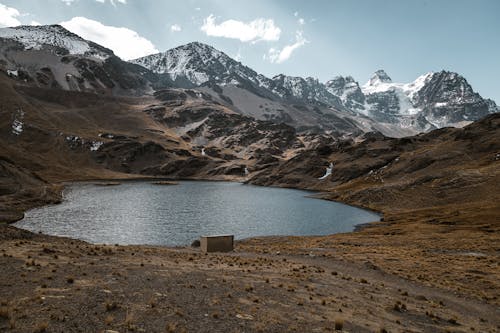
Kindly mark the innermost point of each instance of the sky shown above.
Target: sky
(320, 38)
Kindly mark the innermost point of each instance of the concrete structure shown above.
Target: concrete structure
(218, 243)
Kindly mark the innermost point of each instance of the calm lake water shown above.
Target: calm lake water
(143, 213)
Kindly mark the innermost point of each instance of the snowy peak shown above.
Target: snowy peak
(52, 57)
(447, 87)
(349, 92)
(378, 77)
(196, 63)
(308, 90)
(54, 36)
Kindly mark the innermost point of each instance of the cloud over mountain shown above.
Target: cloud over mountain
(124, 42)
(253, 31)
(8, 16)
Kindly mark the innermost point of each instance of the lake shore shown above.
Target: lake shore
(255, 211)
(388, 275)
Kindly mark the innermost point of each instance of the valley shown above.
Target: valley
(70, 110)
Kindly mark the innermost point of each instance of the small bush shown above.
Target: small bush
(4, 312)
(339, 324)
(42, 327)
(110, 306)
(108, 320)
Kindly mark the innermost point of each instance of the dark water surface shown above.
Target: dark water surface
(143, 213)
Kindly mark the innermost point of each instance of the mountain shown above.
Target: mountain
(394, 171)
(303, 103)
(433, 100)
(197, 64)
(51, 56)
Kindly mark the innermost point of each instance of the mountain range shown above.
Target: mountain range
(433, 100)
(71, 111)
(51, 56)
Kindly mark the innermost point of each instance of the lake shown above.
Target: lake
(138, 212)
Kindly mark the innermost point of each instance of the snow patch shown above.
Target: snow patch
(440, 104)
(406, 93)
(13, 73)
(328, 172)
(36, 37)
(95, 145)
(17, 124)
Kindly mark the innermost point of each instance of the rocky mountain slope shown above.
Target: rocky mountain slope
(381, 171)
(49, 135)
(433, 100)
(65, 116)
(51, 56)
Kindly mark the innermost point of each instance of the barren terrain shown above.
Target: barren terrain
(431, 265)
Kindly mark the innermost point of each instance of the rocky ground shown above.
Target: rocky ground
(431, 265)
(350, 283)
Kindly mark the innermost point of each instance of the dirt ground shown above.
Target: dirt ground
(356, 282)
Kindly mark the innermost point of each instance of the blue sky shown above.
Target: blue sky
(305, 38)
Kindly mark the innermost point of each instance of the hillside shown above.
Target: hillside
(340, 105)
(70, 110)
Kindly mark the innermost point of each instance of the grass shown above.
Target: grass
(108, 320)
(129, 321)
(111, 305)
(42, 327)
(339, 324)
(4, 312)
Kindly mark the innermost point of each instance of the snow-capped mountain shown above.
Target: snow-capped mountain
(433, 100)
(50, 36)
(300, 89)
(52, 57)
(348, 90)
(195, 64)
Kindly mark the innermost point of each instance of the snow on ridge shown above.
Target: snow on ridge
(184, 61)
(405, 92)
(17, 123)
(35, 37)
(410, 89)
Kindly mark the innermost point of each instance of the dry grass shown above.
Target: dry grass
(339, 324)
(41, 327)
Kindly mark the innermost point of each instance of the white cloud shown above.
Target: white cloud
(8, 16)
(125, 43)
(301, 21)
(175, 28)
(35, 23)
(113, 2)
(68, 2)
(279, 56)
(254, 31)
